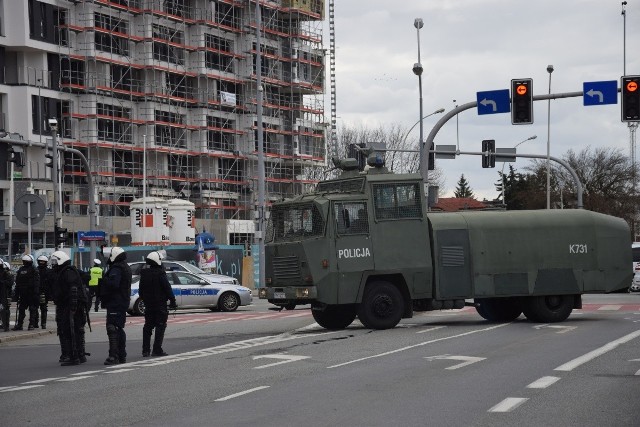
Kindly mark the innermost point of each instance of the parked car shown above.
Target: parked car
(168, 265)
(635, 283)
(212, 291)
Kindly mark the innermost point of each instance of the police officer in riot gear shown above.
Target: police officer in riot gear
(115, 291)
(70, 295)
(155, 291)
(6, 284)
(45, 290)
(27, 291)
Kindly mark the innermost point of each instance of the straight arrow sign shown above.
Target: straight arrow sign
(467, 360)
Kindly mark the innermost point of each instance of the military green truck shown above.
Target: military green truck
(364, 245)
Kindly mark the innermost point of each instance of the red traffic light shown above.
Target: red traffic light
(632, 86)
(522, 89)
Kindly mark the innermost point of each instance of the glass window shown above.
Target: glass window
(395, 201)
(351, 218)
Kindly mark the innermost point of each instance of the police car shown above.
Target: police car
(212, 291)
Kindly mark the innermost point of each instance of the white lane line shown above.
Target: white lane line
(296, 315)
(25, 387)
(637, 373)
(430, 329)
(44, 380)
(181, 322)
(266, 316)
(398, 350)
(543, 382)
(251, 390)
(117, 371)
(89, 372)
(609, 307)
(508, 404)
(76, 378)
(571, 365)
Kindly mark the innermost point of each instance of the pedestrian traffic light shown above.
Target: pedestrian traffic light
(488, 153)
(60, 236)
(431, 159)
(522, 102)
(16, 155)
(630, 99)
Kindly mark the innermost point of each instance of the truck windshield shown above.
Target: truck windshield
(294, 222)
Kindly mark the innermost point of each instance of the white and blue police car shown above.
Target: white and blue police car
(212, 291)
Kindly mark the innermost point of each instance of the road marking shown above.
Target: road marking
(571, 365)
(266, 316)
(251, 390)
(467, 360)
(181, 322)
(609, 307)
(508, 404)
(75, 378)
(284, 358)
(543, 382)
(562, 330)
(25, 387)
(44, 380)
(430, 329)
(296, 315)
(117, 371)
(418, 345)
(89, 372)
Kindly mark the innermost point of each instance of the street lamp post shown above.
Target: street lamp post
(144, 190)
(549, 70)
(504, 202)
(417, 70)
(438, 111)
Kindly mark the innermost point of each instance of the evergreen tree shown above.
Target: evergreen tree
(463, 189)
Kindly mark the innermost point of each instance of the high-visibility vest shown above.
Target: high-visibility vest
(96, 274)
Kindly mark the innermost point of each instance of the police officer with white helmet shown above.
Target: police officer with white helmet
(28, 292)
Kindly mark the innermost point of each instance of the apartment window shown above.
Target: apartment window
(180, 166)
(72, 72)
(177, 7)
(127, 162)
(167, 133)
(125, 78)
(164, 45)
(111, 34)
(110, 128)
(178, 85)
(218, 139)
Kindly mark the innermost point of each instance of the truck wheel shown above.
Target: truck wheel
(499, 309)
(290, 306)
(549, 308)
(381, 307)
(334, 317)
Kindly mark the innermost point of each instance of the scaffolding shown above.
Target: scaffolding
(175, 81)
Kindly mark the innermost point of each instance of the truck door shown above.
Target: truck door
(354, 253)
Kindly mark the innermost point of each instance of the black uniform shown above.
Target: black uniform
(6, 283)
(155, 291)
(115, 291)
(45, 293)
(71, 300)
(27, 291)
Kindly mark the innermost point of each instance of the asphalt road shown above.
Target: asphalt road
(267, 368)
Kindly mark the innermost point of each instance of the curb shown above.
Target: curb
(15, 337)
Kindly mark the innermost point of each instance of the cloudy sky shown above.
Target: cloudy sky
(469, 46)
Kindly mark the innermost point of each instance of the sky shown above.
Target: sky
(470, 46)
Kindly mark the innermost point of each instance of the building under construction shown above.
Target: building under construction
(162, 92)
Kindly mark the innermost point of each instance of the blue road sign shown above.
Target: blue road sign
(493, 102)
(91, 235)
(600, 93)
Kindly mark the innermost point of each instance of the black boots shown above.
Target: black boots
(157, 341)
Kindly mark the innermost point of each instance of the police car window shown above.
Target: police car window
(351, 218)
(186, 279)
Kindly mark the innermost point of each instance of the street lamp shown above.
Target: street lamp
(438, 111)
(417, 70)
(504, 202)
(549, 70)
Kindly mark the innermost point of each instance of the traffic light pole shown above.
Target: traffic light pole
(579, 189)
(85, 164)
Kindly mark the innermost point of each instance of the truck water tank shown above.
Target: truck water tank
(182, 222)
(150, 227)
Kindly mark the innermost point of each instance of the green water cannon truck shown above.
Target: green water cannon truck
(364, 245)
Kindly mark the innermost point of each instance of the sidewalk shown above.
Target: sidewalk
(25, 334)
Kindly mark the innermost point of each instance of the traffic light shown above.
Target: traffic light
(522, 102)
(630, 99)
(60, 236)
(488, 153)
(432, 159)
(16, 155)
(49, 162)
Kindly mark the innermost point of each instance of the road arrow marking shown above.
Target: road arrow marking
(491, 102)
(284, 358)
(597, 93)
(468, 360)
(562, 331)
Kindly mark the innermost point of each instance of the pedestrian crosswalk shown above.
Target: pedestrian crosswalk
(195, 318)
